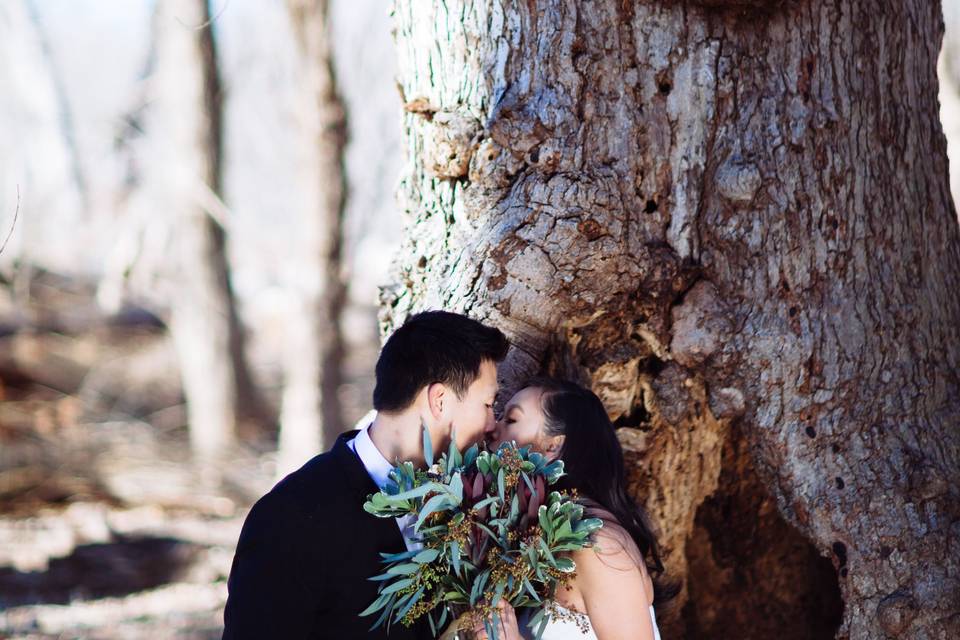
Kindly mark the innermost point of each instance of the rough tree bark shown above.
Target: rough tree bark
(733, 221)
(184, 124)
(311, 416)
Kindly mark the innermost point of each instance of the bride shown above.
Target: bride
(613, 577)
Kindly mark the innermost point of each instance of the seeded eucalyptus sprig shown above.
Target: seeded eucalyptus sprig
(489, 530)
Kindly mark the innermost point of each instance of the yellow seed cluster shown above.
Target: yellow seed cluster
(458, 533)
(428, 576)
(579, 618)
(418, 610)
(512, 463)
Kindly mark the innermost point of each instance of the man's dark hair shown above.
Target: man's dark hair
(434, 346)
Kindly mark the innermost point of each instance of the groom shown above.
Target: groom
(307, 547)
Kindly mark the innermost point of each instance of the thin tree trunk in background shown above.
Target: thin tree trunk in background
(311, 414)
(185, 122)
(948, 72)
(63, 107)
(733, 221)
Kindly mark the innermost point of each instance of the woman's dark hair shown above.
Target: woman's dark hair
(593, 465)
(433, 346)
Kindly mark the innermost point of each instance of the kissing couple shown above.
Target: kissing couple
(308, 548)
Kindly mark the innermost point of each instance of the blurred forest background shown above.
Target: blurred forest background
(200, 208)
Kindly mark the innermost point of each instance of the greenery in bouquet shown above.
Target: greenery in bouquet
(489, 531)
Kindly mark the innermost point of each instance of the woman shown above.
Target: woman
(613, 577)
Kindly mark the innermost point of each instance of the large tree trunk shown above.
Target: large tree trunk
(311, 414)
(733, 221)
(184, 124)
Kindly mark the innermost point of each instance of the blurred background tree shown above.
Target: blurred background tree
(314, 349)
(184, 258)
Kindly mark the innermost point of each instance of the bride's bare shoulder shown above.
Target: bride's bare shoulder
(612, 541)
(613, 558)
(612, 547)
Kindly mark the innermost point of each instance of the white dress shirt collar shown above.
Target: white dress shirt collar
(379, 469)
(377, 466)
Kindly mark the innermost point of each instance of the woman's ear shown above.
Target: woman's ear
(553, 445)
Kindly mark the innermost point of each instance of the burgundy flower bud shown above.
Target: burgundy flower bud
(477, 486)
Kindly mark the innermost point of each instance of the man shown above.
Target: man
(308, 547)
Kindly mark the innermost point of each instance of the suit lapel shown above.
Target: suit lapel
(361, 485)
(384, 530)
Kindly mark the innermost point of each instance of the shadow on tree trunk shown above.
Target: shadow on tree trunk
(752, 575)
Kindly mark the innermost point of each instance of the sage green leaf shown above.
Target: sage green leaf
(385, 614)
(405, 569)
(427, 447)
(434, 531)
(418, 492)
(456, 487)
(471, 455)
(526, 479)
(565, 564)
(538, 623)
(375, 605)
(545, 521)
(435, 503)
(454, 459)
(409, 605)
(383, 577)
(589, 525)
(529, 587)
(397, 586)
(395, 557)
(546, 552)
(485, 502)
(531, 555)
(426, 556)
(564, 530)
(455, 557)
(478, 586)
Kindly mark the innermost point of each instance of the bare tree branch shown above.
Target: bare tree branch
(208, 22)
(16, 213)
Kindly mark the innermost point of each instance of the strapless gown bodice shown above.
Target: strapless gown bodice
(565, 624)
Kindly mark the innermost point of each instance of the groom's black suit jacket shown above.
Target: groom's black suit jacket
(305, 553)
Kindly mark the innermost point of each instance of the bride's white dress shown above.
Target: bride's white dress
(571, 625)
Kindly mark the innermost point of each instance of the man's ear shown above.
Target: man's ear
(436, 397)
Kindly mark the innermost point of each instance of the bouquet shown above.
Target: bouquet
(489, 531)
